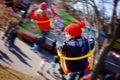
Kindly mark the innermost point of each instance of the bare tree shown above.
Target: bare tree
(111, 36)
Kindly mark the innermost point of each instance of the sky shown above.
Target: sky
(108, 6)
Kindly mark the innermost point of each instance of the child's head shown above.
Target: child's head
(72, 31)
(43, 6)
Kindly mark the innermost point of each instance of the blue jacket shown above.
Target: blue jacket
(76, 47)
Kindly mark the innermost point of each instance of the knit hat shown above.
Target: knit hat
(73, 30)
(81, 24)
(43, 6)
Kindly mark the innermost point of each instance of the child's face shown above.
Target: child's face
(67, 36)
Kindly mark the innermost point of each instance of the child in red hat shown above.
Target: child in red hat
(75, 46)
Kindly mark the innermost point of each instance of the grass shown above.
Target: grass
(9, 74)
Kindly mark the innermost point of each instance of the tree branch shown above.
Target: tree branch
(113, 20)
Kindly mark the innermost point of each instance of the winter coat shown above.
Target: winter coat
(43, 21)
(13, 34)
(76, 47)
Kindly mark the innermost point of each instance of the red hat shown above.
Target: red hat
(43, 6)
(81, 24)
(73, 30)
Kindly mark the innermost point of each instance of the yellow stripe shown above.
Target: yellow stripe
(44, 21)
(76, 58)
(91, 62)
(37, 25)
(63, 65)
(63, 58)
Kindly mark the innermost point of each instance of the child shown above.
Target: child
(42, 65)
(74, 46)
(13, 34)
(7, 31)
(53, 65)
(37, 44)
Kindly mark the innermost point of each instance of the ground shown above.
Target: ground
(9, 74)
(22, 59)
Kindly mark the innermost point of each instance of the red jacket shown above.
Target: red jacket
(43, 21)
